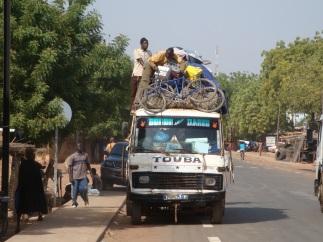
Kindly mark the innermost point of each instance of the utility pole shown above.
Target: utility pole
(278, 125)
(6, 111)
(55, 167)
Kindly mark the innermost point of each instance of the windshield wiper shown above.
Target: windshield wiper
(145, 150)
(185, 150)
(142, 149)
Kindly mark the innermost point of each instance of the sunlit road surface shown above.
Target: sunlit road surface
(264, 204)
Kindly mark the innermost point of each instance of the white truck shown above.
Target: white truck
(318, 183)
(177, 161)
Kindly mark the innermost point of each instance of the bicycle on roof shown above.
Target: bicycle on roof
(170, 88)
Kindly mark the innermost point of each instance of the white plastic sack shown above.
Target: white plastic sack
(93, 192)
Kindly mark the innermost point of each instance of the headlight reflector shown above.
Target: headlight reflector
(144, 179)
(210, 181)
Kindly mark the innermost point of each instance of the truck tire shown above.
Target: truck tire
(129, 207)
(107, 185)
(280, 155)
(217, 212)
(321, 193)
(136, 213)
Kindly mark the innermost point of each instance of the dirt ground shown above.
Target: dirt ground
(268, 159)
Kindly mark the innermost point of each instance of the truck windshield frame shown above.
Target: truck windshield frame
(184, 135)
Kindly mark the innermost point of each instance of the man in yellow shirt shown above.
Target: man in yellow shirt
(110, 145)
(159, 59)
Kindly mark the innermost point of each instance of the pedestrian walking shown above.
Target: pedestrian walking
(141, 56)
(260, 148)
(30, 196)
(78, 166)
(242, 147)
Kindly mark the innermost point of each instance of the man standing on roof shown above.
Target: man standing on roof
(141, 56)
(159, 59)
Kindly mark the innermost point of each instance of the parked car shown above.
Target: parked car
(114, 167)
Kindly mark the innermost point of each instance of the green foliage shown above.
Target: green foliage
(291, 81)
(58, 53)
(295, 74)
(249, 114)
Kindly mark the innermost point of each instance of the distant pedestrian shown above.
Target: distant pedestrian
(141, 56)
(110, 145)
(78, 166)
(96, 180)
(30, 196)
(242, 148)
(260, 148)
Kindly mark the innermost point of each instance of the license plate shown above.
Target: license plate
(175, 197)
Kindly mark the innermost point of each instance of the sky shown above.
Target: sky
(240, 30)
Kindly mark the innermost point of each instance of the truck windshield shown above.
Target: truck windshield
(177, 135)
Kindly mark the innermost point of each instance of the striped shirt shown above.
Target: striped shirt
(79, 163)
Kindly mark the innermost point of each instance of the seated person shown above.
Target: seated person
(96, 180)
(160, 139)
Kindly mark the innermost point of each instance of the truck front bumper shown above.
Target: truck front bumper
(160, 199)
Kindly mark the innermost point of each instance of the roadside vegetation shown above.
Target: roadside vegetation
(59, 53)
(290, 81)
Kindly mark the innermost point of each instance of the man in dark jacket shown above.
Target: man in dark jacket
(30, 196)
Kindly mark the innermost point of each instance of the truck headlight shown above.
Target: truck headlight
(210, 181)
(144, 179)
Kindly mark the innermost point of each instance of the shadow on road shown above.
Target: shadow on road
(116, 191)
(241, 215)
(235, 203)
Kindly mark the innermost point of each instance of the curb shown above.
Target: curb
(101, 236)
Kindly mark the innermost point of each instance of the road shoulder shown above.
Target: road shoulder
(85, 223)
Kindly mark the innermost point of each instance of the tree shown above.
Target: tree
(58, 52)
(291, 80)
(295, 74)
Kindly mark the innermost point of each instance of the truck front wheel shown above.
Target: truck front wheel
(129, 207)
(107, 185)
(217, 212)
(136, 213)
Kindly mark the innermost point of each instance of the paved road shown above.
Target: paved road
(263, 205)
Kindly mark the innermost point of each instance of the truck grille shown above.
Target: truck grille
(161, 180)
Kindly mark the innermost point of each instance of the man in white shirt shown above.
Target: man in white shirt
(141, 56)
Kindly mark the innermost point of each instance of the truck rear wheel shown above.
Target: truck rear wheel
(321, 193)
(136, 213)
(217, 212)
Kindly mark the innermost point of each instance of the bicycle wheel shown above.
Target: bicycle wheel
(212, 105)
(168, 92)
(201, 90)
(153, 100)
